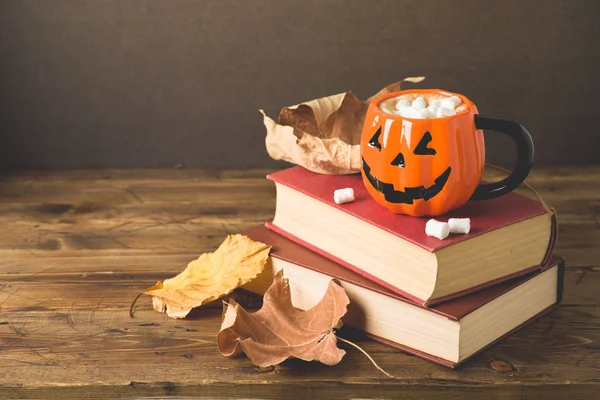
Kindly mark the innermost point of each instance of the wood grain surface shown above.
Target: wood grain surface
(76, 247)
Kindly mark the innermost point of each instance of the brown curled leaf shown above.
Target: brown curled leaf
(278, 330)
(323, 135)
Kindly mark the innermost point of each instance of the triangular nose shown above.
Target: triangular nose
(399, 160)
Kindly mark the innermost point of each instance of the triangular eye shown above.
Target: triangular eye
(374, 142)
(422, 149)
(399, 161)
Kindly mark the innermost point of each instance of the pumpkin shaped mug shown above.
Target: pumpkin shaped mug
(427, 167)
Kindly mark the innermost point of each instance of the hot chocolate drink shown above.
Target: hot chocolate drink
(423, 105)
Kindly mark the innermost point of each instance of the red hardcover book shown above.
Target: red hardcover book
(448, 333)
(509, 236)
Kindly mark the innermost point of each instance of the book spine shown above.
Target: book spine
(481, 286)
(561, 281)
(553, 238)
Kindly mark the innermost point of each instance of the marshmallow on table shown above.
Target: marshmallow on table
(459, 225)
(342, 196)
(437, 229)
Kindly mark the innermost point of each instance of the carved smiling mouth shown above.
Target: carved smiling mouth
(410, 193)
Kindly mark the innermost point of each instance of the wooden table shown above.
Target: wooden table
(76, 247)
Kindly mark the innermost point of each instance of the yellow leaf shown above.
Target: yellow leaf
(237, 260)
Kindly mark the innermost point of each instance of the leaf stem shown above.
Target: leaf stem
(369, 357)
(133, 304)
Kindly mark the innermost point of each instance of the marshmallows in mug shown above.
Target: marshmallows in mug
(441, 230)
(439, 106)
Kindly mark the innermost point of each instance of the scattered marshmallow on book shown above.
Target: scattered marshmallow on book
(437, 229)
(459, 225)
(342, 196)
(441, 230)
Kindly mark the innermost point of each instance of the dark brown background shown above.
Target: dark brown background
(163, 83)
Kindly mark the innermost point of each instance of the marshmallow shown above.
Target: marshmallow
(430, 114)
(444, 112)
(415, 113)
(423, 113)
(407, 112)
(402, 103)
(342, 196)
(433, 109)
(457, 100)
(419, 103)
(437, 229)
(436, 106)
(451, 102)
(459, 225)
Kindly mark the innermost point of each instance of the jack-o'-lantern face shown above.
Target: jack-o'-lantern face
(421, 166)
(409, 194)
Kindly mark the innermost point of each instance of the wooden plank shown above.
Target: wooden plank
(315, 390)
(98, 214)
(117, 280)
(95, 343)
(77, 246)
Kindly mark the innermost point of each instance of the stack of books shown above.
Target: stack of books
(444, 300)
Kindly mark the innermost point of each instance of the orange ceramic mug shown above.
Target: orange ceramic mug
(430, 166)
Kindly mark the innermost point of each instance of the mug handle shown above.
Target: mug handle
(522, 139)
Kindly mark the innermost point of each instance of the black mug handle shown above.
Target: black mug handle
(524, 143)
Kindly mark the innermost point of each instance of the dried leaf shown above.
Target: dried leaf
(394, 87)
(237, 260)
(278, 330)
(322, 135)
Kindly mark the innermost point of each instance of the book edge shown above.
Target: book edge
(397, 293)
(273, 177)
(451, 364)
(400, 294)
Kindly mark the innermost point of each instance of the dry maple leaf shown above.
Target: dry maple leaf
(237, 260)
(278, 330)
(323, 135)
